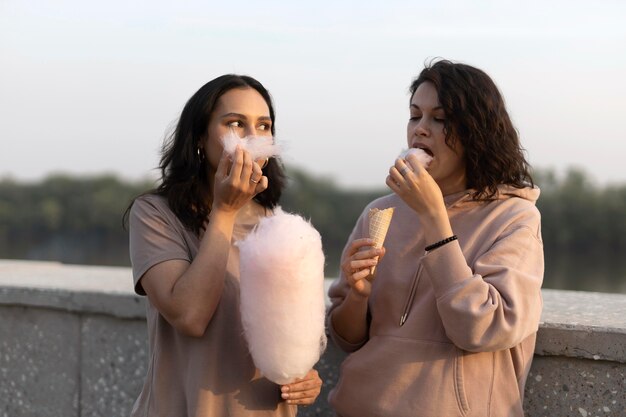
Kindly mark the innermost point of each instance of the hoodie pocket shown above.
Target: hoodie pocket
(393, 376)
(459, 384)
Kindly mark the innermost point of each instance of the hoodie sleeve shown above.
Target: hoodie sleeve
(496, 303)
(339, 290)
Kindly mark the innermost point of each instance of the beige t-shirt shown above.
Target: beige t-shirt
(208, 376)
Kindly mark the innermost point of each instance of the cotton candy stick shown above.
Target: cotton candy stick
(282, 296)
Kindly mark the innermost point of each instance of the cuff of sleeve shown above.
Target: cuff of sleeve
(340, 341)
(446, 266)
(139, 271)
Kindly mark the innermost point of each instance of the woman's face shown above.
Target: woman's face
(425, 130)
(240, 110)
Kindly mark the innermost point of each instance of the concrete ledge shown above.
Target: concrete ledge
(574, 324)
(73, 342)
(583, 325)
(75, 288)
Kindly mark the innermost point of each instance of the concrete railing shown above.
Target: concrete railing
(73, 342)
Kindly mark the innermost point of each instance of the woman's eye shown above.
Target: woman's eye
(236, 123)
(440, 120)
(264, 127)
(415, 118)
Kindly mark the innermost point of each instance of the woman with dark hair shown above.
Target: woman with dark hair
(184, 260)
(447, 325)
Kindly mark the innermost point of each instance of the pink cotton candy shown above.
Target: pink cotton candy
(421, 155)
(259, 147)
(282, 296)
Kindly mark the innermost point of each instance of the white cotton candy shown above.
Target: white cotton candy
(421, 155)
(282, 296)
(259, 147)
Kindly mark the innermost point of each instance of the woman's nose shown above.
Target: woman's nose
(249, 130)
(422, 128)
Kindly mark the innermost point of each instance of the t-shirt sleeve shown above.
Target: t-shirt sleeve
(154, 238)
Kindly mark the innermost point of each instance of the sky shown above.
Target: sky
(93, 87)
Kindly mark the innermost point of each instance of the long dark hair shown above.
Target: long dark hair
(476, 116)
(184, 182)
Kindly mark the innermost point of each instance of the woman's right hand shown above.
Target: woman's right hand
(358, 261)
(237, 181)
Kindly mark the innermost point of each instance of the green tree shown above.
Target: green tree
(78, 220)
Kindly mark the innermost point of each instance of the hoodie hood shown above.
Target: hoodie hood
(527, 193)
(504, 192)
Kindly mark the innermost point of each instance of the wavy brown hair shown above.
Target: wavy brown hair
(476, 116)
(184, 182)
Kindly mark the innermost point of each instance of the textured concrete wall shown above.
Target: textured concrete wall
(73, 340)
(561, 386)
(63, 364)
(39, 364)
(73, 343)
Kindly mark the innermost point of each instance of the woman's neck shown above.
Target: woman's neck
(452, 187)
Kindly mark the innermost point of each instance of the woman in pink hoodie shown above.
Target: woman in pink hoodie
(447, 325)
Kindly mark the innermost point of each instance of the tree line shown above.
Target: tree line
(78, 220)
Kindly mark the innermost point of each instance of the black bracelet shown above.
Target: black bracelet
(440, 243)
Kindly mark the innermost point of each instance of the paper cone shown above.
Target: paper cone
(379, 224)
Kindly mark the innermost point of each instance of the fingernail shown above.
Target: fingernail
(285, 395)
(284, 388)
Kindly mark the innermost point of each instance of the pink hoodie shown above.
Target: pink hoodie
(471, 311)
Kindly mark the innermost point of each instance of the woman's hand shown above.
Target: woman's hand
(358, 263)
(303, 391)
(415, 186)
(237, 182)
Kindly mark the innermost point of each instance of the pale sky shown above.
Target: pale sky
(92, 87)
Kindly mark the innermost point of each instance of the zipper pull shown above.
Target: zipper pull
(403, 319)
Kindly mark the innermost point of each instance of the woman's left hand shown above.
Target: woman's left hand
(303, 391)
(414, 185)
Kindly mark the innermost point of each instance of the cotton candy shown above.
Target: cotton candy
(422, 156)
(282, 296)
(259, 147)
